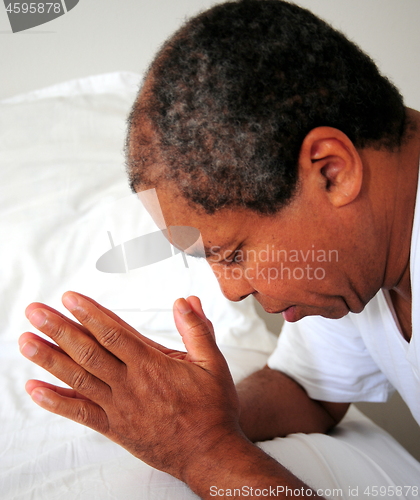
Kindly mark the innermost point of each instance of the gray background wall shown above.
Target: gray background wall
(100, 36)
(107, 35)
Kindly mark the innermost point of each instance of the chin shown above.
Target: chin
(328, 313)
(336, 314)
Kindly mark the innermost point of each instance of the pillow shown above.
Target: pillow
(65, 201)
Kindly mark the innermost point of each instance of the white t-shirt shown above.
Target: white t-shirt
(360, 357)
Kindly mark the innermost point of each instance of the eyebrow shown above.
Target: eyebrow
(196, 251)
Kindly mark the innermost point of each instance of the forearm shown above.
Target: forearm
(236, 467)
(273, 405)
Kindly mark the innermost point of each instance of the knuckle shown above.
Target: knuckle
(49, 363)
(80, 381)
(199, 329)
(82, 415)
(60, 331)
(91, 417)
(88, 356)
(110, 336)
(83, 316)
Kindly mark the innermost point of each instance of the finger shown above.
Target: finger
(197, 333)
(115, 338)
(63, 391)
(197, 307)
(37, 305)
(40, 305)
(83, 349)
(84, 412)
(27, 336)
(76, 371)
(125, 325)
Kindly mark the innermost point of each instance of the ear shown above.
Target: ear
(329, 161)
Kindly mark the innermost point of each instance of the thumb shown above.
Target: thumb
(196, 331)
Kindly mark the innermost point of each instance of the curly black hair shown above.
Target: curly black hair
(233, 93)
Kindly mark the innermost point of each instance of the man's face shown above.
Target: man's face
(301, 261)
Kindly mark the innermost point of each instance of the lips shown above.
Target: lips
(290, 314)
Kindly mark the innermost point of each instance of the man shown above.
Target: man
(264, 128)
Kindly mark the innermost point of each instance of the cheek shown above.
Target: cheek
(277, 277)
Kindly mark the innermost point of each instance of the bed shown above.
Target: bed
(65, 203)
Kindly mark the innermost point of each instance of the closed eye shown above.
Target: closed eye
(236, 257)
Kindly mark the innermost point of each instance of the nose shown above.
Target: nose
(233, 282)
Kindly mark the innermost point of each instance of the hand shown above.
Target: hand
(166, 407)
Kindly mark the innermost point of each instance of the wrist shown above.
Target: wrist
(228, 461)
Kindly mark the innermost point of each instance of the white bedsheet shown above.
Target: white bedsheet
(63, 189)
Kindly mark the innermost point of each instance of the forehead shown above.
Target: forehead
(233, 228)
(177, 211)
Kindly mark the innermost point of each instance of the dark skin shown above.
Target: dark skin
(104, 359)
(358, 195)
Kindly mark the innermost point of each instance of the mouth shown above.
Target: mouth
(290, 314)
(276, 311)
